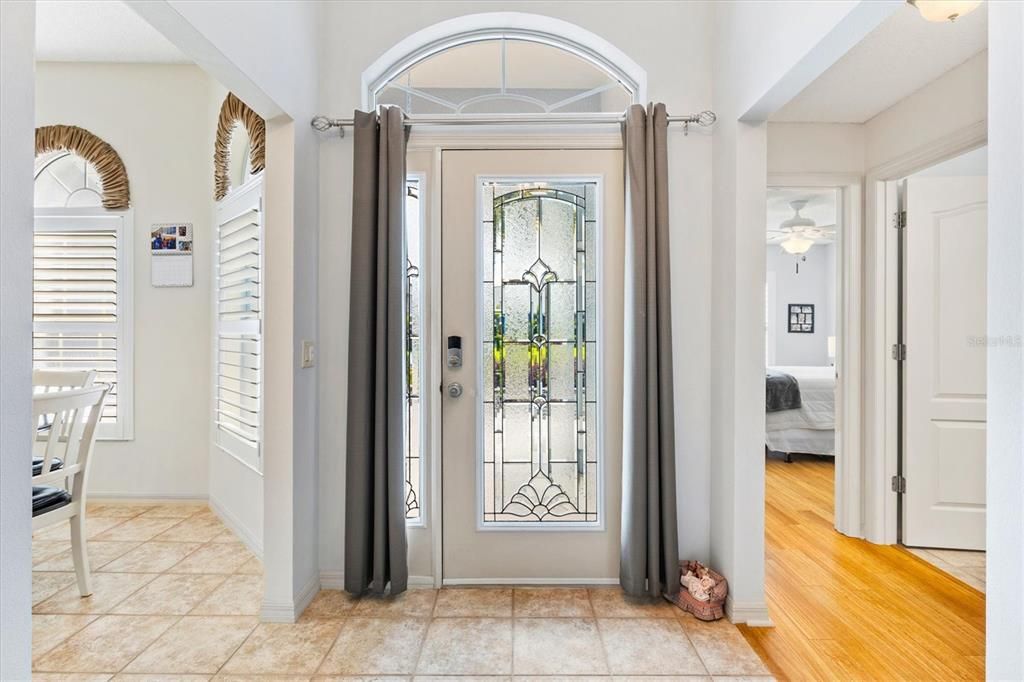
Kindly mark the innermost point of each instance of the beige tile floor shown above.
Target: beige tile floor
(176, 597)
(968, 567)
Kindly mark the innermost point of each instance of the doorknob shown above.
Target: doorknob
(454, 389)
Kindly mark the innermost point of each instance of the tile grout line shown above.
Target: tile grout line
(423, 640)
(146, 648)
(245, 639)
(600, 633)
(44, 653)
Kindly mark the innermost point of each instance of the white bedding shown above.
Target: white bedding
(811, 428)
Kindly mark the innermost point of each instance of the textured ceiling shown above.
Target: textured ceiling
(98, 31)
(899, 57)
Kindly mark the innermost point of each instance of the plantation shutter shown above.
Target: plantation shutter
(78, 314)
(239, 350)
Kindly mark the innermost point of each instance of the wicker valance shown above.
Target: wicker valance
(101, 155)
(234, 110)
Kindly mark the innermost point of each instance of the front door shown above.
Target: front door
(532, 253)
(945, 394)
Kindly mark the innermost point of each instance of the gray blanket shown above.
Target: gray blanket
(782, 392)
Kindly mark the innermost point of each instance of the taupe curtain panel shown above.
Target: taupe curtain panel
(376, 552)
(650, 546)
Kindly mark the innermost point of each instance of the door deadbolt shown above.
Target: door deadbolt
(454, 389)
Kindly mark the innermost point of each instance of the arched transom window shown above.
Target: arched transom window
(66, 180)
(504, 75)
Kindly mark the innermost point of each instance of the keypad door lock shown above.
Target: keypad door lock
(455, 351)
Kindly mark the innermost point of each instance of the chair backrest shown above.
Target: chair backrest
(49, 380)
(73, 415)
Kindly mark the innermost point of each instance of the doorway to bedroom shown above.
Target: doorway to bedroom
(802, 321)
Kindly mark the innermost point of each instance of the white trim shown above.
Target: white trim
(530, 581)
(849, 460)
(753, 614)
(248, 538)
(542, 526)
(288, 612)
(332, 580)
(490, 25)
(432, 312)
(880, 372)
(104, 497)
(335, 580)
(514, 137)
(420, 582)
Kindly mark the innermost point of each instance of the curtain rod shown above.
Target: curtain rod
(704, 119)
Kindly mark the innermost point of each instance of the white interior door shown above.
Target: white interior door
(944, 373)
(532, 253)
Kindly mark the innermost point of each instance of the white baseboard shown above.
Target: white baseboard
(419, 582)
(332, 580)
(138, 498)
(754, 614)
(335, 580)
(245, 534)
(286, 611)
(530, 581)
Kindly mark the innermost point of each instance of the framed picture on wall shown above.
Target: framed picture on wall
(801, 318)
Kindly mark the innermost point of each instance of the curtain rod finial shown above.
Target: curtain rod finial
(323, 124)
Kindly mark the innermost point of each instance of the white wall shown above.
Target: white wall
(17, 48)
(906, 126)
(834, 148)
(961, 97)
(814, 285)
(153, 115)
(267, 54)
(1005, 474)
(764, 54)
(672, 42)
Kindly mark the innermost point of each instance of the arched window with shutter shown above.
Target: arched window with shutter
(82, 274)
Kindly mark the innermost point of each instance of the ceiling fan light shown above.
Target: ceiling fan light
(797, 246)
(944, 10)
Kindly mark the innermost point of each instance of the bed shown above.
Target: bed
(810, 428)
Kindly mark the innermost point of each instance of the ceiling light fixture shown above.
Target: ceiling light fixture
(944, 10)
(796, 245)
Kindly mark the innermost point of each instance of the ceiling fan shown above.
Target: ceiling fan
(798, 234)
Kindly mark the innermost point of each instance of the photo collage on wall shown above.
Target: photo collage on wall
(170, 250)
(171, 238)
(801, 318)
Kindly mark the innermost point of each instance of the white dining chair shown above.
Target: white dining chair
(48, 381)
(58, 489)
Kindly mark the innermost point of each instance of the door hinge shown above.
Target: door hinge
(899, 352)
(900, 220)
(899, 484)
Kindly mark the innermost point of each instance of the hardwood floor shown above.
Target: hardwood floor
(849, 609)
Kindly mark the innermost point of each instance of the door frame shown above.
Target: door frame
(883, 449)
(437, 139)
(849, 337)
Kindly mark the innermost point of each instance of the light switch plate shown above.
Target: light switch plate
(308, 354)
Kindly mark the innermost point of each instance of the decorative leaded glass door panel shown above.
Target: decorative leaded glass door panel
(531, 282)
